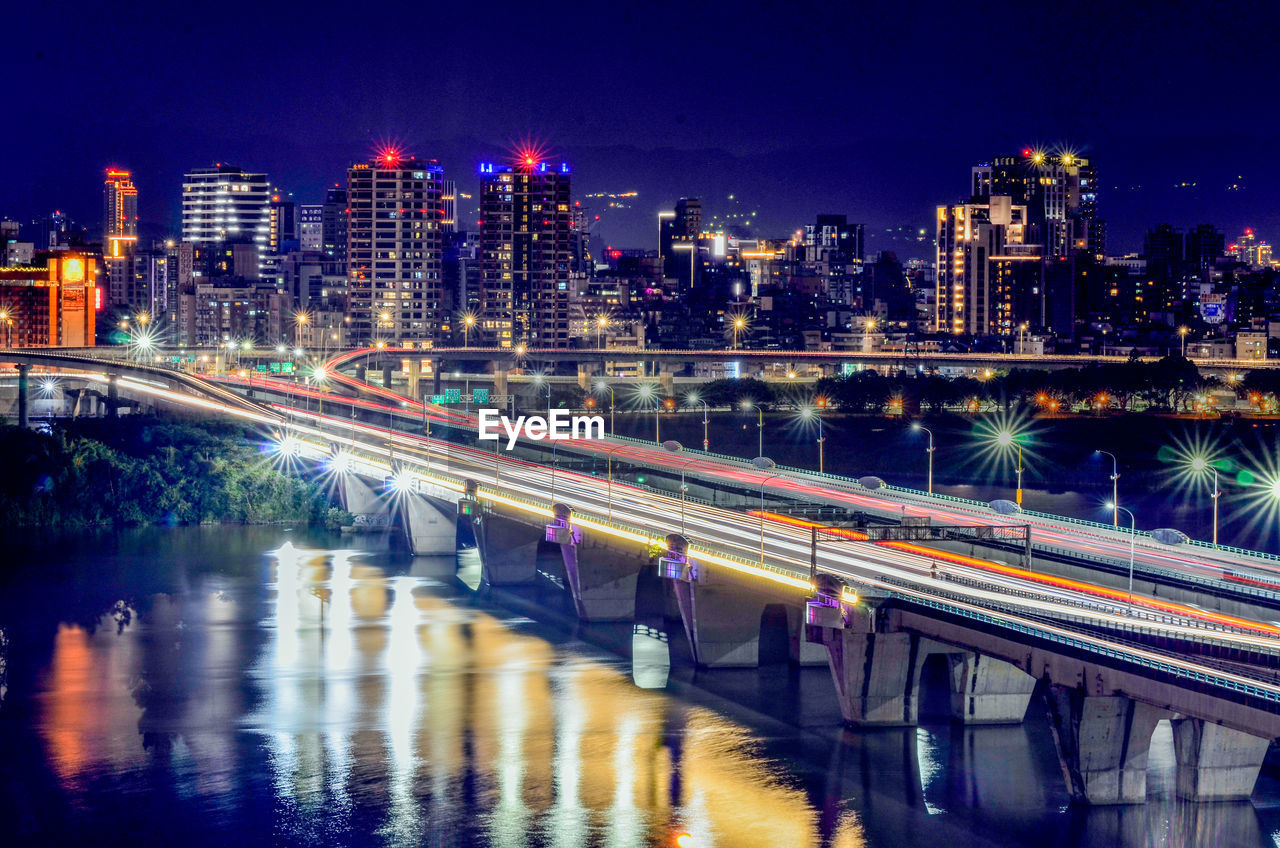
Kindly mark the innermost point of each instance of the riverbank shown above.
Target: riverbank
(168, 471)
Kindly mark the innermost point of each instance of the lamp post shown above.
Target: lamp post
(746, 404)
(1132, 532)
(1006, 438)
(468, 321)
(8, 327)
(602, 321)
(706, 420)
(929, 450)
(299, 321)
(603, 385)
(1115, 488)
(739, 324)
(1022, 338)
(816, 412)
(1182, 331)
(1201, 465)
(763, 463)
(675, 447)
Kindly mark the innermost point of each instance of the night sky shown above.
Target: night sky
(874, 110)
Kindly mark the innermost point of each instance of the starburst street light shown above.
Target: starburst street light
(648, 393)
(739, 323)
(694, 399)
(468, 321)
(1005, 439)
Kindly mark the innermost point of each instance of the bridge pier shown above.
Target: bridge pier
(387, 369)
(1102, 743)
(877, 674)
(725, 619)
(436, 377)
(1216, 763)
(113, 396)
(24, 390)
(500, 381)
(667, 380)
(600, 575)
(985, 690)
(414, 375)
(430, 529)
(367, 507)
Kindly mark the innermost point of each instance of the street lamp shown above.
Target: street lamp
(739, 325)
(602, 321)
(1115, 487)
(8, 327)
(1022, 338)
(1200, 465)
(815, 412)
(675, 447)
(1182, 331)
(916, 425)
(601, 386)
(468, 321)
(693, 399)
(1006, 439)
(647, 392)
(763, 463)
(1132, 533)
(748, 405)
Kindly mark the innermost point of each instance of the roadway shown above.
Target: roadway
(1085, 540)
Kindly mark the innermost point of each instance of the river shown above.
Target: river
(263, 686)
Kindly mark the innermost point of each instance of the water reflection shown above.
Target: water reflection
(340, 696)
(378, 692)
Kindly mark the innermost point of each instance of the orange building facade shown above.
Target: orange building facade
(53, 306)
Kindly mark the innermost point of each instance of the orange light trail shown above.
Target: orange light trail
(1030, 576)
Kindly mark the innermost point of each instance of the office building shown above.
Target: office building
(394, 251)
(225, 204)
(333, 231)
(449, 207)
(526, 248)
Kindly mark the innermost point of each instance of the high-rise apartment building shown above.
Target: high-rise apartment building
(225, 204)
(449, 207)
(394, 284)
(988, 279)
(526, 249)
(120, 215)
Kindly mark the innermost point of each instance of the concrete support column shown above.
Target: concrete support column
(436, 365)
(113, 396)
(600, 574)
(683, 573)
(362, 373)
(431, 529)
(1216, 763)
(584, 375)
(367, 507)
(1102, 743)
(988, 691)
(500, 381)
(668, 382)
(24, 389)
(414, 375)
(387, 369)
(876, 675)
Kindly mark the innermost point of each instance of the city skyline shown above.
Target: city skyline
(849, 118)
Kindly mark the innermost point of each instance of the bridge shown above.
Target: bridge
(872, 606)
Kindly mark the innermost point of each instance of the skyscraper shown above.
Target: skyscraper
(526, 248)
(394, 286)
(226, 204)
(1060, 192)
(120, 218)
(449, 207)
